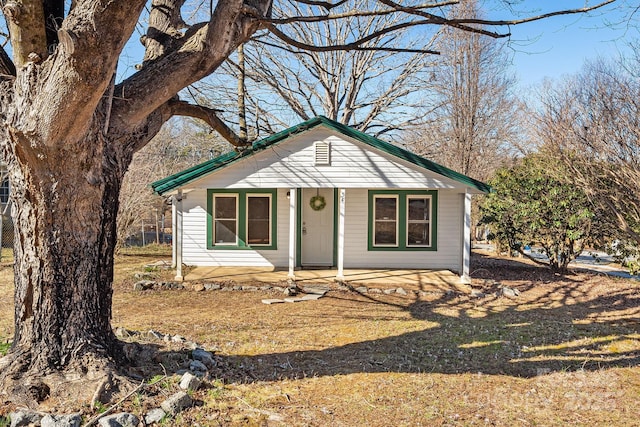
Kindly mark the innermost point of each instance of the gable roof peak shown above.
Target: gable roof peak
(180, 179)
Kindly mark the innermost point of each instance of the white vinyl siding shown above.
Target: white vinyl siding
(355, 167)
(195, 251)
(290, 164)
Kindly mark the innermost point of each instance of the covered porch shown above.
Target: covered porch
(417, 280)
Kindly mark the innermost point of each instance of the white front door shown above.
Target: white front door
(317, 227)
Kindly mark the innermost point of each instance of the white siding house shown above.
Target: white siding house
(322, 194)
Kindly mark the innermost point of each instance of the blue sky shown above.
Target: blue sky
(560, 45)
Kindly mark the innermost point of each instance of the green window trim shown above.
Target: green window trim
(242, 196)
(402, 219)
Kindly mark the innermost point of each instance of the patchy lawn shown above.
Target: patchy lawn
(565, 351)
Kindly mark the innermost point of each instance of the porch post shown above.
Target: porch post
(341, 212)
(174, 214)
(292, 233)
(466, 238)
(177, 237)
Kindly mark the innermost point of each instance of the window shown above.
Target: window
(241, 219)
(419, 221)
(385, 228)
(258, 219)
(4, 191)
(225, 219)
(402, 220)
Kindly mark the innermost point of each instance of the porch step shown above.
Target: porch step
(272, 301)
(315, 289)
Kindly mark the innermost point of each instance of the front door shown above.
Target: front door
(317, 227)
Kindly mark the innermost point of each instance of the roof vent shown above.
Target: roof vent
(322, 153)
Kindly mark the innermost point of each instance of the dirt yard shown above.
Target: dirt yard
(566, 351)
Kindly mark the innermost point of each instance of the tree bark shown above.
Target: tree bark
(65, 201)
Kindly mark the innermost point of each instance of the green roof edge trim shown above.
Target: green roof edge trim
(179, 179)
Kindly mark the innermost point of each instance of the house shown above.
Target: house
(322, 194)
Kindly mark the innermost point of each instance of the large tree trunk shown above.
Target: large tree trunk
(65, 204)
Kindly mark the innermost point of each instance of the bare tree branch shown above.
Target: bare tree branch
(323, 4)
(209, 116)
(6, 64)
(356, 45)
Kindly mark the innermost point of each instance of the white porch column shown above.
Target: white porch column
(292, 233)
(177, 238)
(341, 213)
(466, 238)
(174, 231)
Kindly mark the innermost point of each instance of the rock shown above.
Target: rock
(266, 288)
(122, 419)
(154, 416)
(249, 288)
(475, 293)
(375, 291)
(212, 286)
(143, 285)
(177, 338)
(198, 287)
(197, 366)
(204, 356)
(362, 290)
(72, 420)
(509, 292)
(291, 291)
(189, 381)
(177, 403)
(121, 332)
(155, 335)
(389, 291)
(237, 288)
(270, 301)
(401, 291)
(25, 417)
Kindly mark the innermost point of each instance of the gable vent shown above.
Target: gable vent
(322, 155)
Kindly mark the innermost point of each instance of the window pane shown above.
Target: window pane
(385, 233)
(225, 232)
(418, 234)
(258, 207)
(385, 208)
(225, 206)
(225, 228)
(258, 224)
(419, 209)
(4, 191)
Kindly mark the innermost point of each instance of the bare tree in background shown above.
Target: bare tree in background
(592, 121)
(372, 89)
(472, 113)
(178, 146)
(69, 132)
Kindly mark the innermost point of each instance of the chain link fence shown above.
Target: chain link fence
(7, 236)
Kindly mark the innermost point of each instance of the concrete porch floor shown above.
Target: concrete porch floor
(426, 280)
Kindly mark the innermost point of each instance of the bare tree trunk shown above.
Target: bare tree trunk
(65, 236)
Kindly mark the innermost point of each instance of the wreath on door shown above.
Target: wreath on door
(317, 203)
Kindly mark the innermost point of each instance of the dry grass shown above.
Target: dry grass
(565, 351)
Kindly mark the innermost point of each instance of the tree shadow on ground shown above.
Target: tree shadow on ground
(560, 323)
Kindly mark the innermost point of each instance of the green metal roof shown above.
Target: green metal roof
(182, 178)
